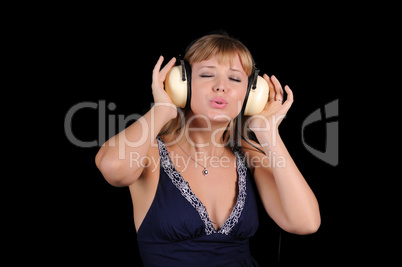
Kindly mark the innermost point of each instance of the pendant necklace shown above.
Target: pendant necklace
(205, 170)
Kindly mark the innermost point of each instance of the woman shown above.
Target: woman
(193, 182)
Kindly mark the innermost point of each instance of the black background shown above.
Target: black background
(104, 56)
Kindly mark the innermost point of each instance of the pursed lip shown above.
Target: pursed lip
(218, 102)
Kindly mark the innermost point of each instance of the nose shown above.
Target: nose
(219, 86)
(219, 89)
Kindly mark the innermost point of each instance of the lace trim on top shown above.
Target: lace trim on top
(188, 194)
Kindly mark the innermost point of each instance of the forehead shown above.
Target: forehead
(233, 63)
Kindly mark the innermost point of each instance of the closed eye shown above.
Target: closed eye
(211, 76)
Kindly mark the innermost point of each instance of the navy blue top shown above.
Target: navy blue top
(177, 230)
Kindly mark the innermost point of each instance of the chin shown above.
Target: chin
(214, 115)
(221, 118)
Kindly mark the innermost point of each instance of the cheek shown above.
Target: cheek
(240, 95)
(240, 99)
(197, 96)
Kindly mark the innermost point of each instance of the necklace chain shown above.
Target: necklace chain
(205, 170)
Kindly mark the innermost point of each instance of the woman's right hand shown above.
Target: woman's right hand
(161, 98)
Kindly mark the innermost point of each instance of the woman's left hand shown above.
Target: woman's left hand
(275, 109)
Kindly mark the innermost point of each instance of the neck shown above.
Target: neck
(203, 135)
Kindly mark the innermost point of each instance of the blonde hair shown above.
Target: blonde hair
(225, 48)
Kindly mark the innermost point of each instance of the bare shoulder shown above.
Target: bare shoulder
(252, 151)
(252, 148)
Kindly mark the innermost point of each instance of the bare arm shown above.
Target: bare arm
(285, 193)
(115, 157)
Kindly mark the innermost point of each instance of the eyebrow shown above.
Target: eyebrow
(210, 67)
(213, 67)
(235, 70)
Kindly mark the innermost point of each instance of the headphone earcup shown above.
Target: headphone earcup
(175, 87)
(257, 98)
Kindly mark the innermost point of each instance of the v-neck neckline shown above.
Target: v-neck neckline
(186, 191)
